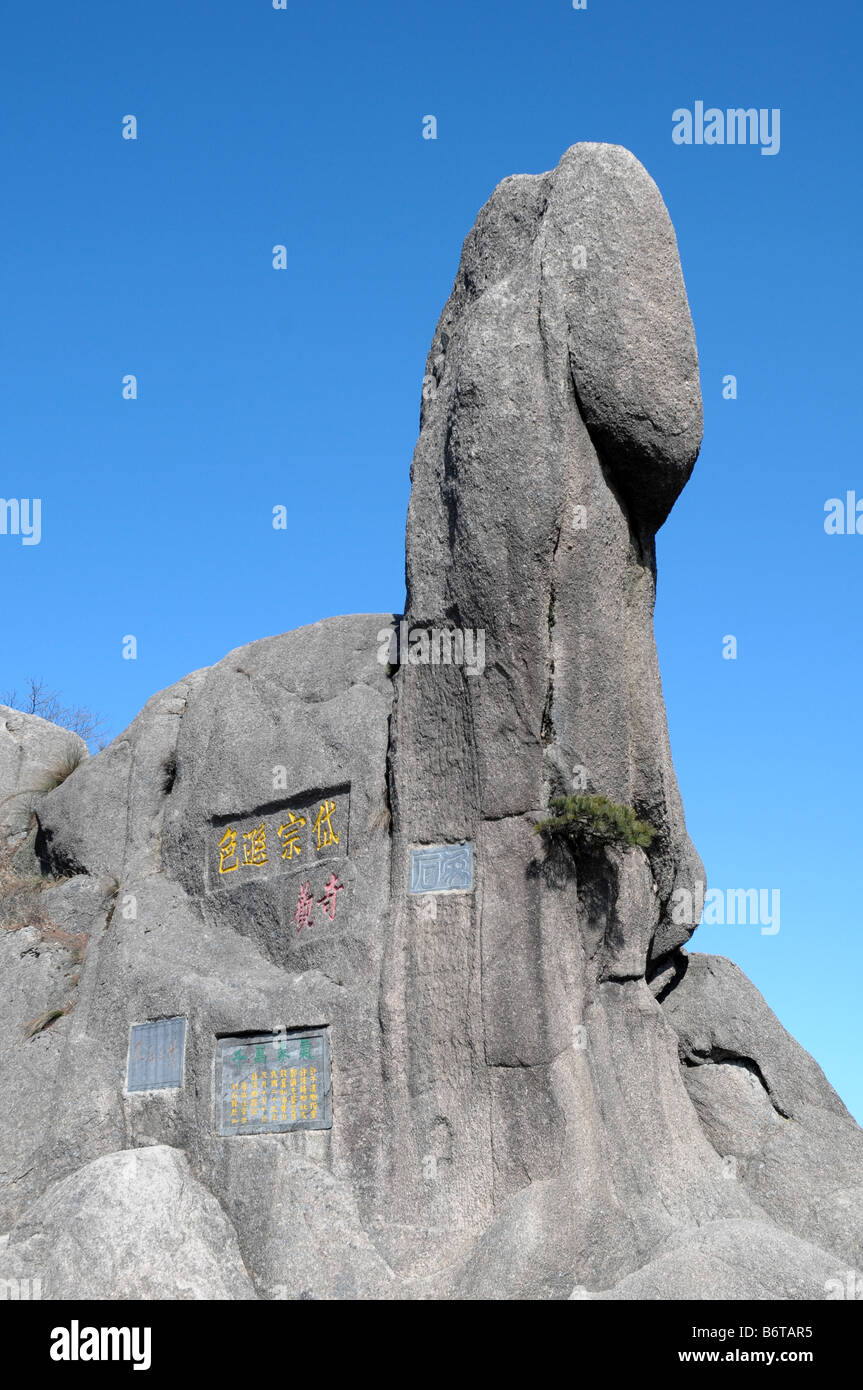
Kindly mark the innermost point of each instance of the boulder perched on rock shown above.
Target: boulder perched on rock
(35, 756)
(309, 979)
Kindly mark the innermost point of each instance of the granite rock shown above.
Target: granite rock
(536, 1092)
(34, 755)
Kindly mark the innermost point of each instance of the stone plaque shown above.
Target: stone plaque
(272, 1082)
(156, 1055)
(442, 869)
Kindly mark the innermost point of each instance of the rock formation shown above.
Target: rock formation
(535, 1090)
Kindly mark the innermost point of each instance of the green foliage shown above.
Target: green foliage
(589, 822)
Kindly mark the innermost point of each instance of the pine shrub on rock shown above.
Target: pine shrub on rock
(591, 822)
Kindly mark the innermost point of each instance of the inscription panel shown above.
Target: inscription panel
(442, 869)
(297, 834)
(273, 1082)
(156, 1051)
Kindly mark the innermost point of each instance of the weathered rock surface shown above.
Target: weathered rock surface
(730, 1259)
(766, 1106)
(134, 1224)
(536, 1092)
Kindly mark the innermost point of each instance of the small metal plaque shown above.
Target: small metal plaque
(156, 1055)
(442, 869)
(273, 1082)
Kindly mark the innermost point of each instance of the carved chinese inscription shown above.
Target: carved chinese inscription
(297, 837)
(442, 869)
(272, 1082)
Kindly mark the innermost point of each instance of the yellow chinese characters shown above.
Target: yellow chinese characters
(255, 846)
(247, 849)
(323, 826)
(289, 834)
(228, 850)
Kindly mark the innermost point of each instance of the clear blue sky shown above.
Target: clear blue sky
(302, 387)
